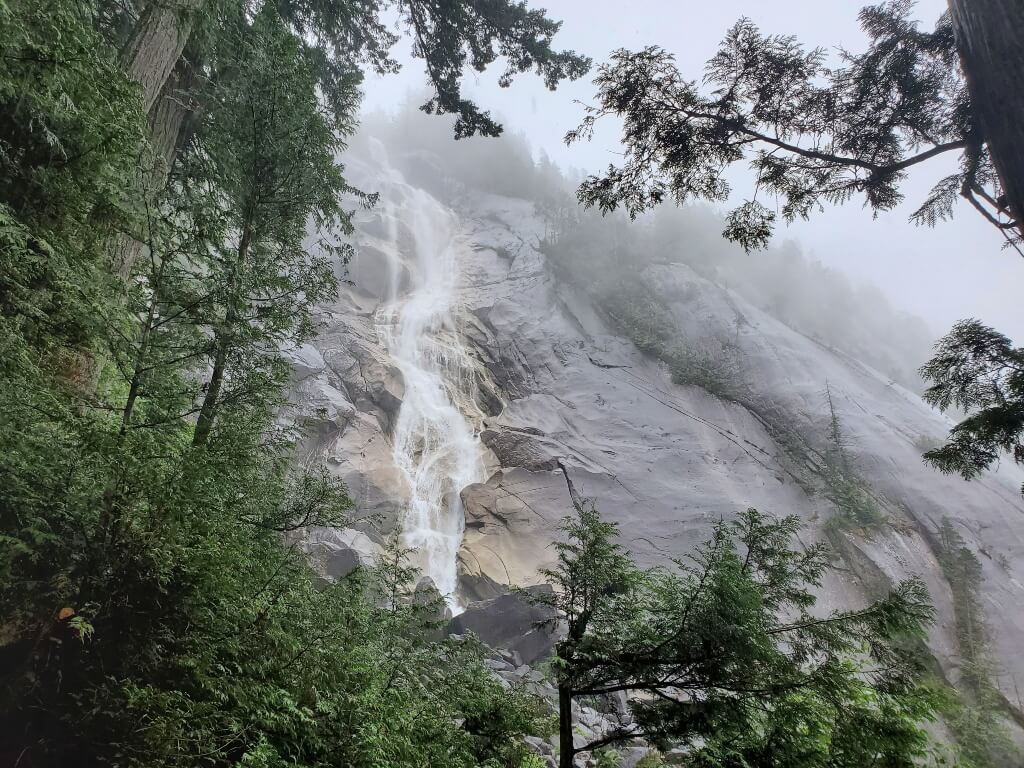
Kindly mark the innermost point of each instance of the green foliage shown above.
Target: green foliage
(963, 573)
(722, 653)
(637, 311)
(207, 638)
(70, 121)
(714, 366)
(151, 613)
(70, 128)
(815, 131)
(651, 760)
(272, 150)
(974, 711)
(977, 370)
(448, 37)
(980, 732)
(855, 506)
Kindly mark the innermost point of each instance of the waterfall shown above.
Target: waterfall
(434, 442)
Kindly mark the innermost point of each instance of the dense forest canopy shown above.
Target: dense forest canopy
(163, 168)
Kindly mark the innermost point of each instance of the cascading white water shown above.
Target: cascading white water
(435, 445)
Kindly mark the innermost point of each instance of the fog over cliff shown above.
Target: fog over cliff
(956, 270)
(851, 314)
(646, 367)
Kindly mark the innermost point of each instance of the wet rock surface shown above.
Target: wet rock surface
(566, 406)
(513, 622)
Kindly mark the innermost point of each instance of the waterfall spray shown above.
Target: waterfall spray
(435, 445)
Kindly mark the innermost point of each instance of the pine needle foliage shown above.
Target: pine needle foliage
(975, 712)
(815, 129)
(722, 653)
(855, 506)
(152, 611)
(977, 370)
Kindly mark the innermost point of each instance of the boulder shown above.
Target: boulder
(513, 623)
(371, 381)
(506, 539)
(426, 594)
(523, 449)
(305, 360)
(335, 552)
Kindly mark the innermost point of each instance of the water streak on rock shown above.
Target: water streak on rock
(435, 444)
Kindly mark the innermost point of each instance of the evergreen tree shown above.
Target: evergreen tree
(261, 166)
(722, 653)
(173, 51)
(977, 370)
(341, 35)
(69, 126)
(853, 501)
(975, 716)
(150, 612)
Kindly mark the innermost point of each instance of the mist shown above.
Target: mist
(603, 253)
(956, 270)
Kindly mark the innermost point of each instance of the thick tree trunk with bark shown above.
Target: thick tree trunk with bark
(171, 119)
(156, 44)
(990, 39)
(170, 125)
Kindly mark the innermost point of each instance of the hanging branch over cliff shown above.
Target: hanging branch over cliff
(813, 133)
(349, 34)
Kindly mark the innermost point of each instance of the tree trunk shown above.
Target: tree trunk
(156, 44)
(170, 119)
(139, 364)
(208, 411)
(990, 39)
(566, 749)
(152, 53)
(124, 252)
(170, 125)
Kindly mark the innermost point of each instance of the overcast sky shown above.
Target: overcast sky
(953, 271)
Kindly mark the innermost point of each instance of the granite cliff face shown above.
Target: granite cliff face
(561, 405)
